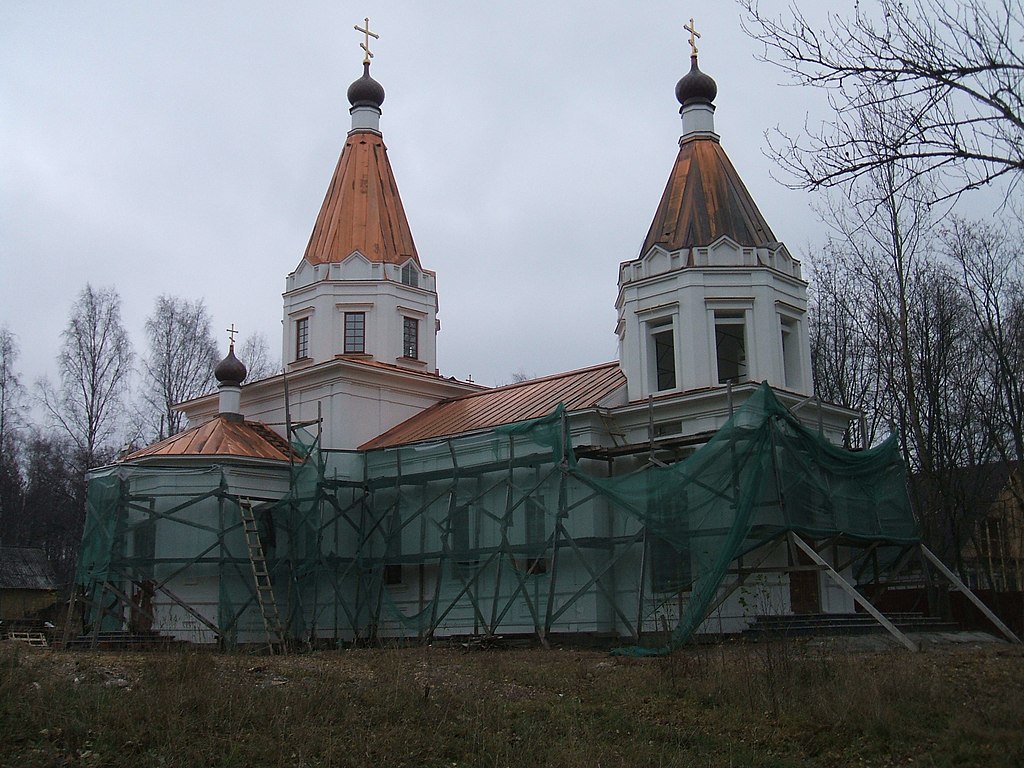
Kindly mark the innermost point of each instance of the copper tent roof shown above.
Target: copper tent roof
(585, 388)
(221, 436)
(703, 200)
(362, 210)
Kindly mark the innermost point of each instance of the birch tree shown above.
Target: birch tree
(259, 362)
(95, 364)
(179, 362)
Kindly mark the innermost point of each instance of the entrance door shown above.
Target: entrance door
(804, 589)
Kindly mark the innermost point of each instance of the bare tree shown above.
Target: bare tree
(179, 361)
(11, 390)
(95, 363)
(845, 349)
(255, 353)
(11, 402)
(993, 275)
(949, 71)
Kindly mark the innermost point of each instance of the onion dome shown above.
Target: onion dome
(695, 86)
(230, 371)
(366, 92)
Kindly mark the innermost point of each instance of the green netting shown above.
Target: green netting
(506, 532)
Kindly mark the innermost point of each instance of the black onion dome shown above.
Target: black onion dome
(230, 370)
(696, 86)
(366, 92)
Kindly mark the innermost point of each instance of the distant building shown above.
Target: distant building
(28, 587)
(993, 547)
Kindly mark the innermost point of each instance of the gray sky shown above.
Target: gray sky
(185, 148)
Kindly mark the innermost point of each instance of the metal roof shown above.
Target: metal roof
(577, 390)
(703, 200)
(362, 210)
(25, 568)
(221, 436)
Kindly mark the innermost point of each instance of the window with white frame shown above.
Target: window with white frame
(301, 338)
(355, 333)
(661, 350)
(730, 345)
(791, 367)
(410, 337)
(410, 276)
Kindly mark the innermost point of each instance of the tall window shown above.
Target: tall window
(668, 543)
(410, 276)
(460, 539)
(536, 536)
(791, 352)
(662, 348)
(665, 359)
(393, 550)
(355, 332)
(730, 346)
(301, 338)
(411, 337)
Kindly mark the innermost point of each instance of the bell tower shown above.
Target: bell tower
(360, 290)
(713, 298)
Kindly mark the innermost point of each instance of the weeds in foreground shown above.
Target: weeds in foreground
(757, 705)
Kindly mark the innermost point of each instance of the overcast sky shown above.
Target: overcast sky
(185, 148)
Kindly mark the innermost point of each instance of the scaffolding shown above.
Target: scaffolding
(504, 532)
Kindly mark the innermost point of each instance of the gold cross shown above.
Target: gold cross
(367, 34)
(231, 332)
(693, 33)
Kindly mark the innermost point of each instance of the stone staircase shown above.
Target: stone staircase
(122, 641)
(811, 624)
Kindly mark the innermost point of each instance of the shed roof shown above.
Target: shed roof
(577, 390)
(25, 568)
(704, 200)
(221, 436)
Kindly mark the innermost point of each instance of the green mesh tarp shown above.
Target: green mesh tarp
(763, 474)
(505, 531)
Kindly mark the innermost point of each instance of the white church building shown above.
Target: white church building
(363, 494)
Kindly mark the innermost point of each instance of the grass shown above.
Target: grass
(733, 705)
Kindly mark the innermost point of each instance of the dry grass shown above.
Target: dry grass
(750, 705)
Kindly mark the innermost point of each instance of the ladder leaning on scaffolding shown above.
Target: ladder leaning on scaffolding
(261, 578)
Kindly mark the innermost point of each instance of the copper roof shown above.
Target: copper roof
(221, 436)
(362, 210)
(703, 200)
(585, 388)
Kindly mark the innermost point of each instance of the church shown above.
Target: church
(685, 488)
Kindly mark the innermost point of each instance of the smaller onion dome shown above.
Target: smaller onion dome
(230, 371)
(696, 86)
(366, 92)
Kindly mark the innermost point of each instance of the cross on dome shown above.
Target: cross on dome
(231, 333)
(691, 28)
(367, 34)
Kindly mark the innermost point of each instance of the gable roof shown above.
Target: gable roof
(25, 568)
(704, 200)
(221, 436)
(577, 390)
(362, 210)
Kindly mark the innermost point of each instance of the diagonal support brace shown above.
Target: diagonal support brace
(847, 587)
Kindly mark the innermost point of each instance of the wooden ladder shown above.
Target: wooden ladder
(261, 578)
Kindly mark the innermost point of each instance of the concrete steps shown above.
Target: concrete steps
(123, 641)
(802, 625)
